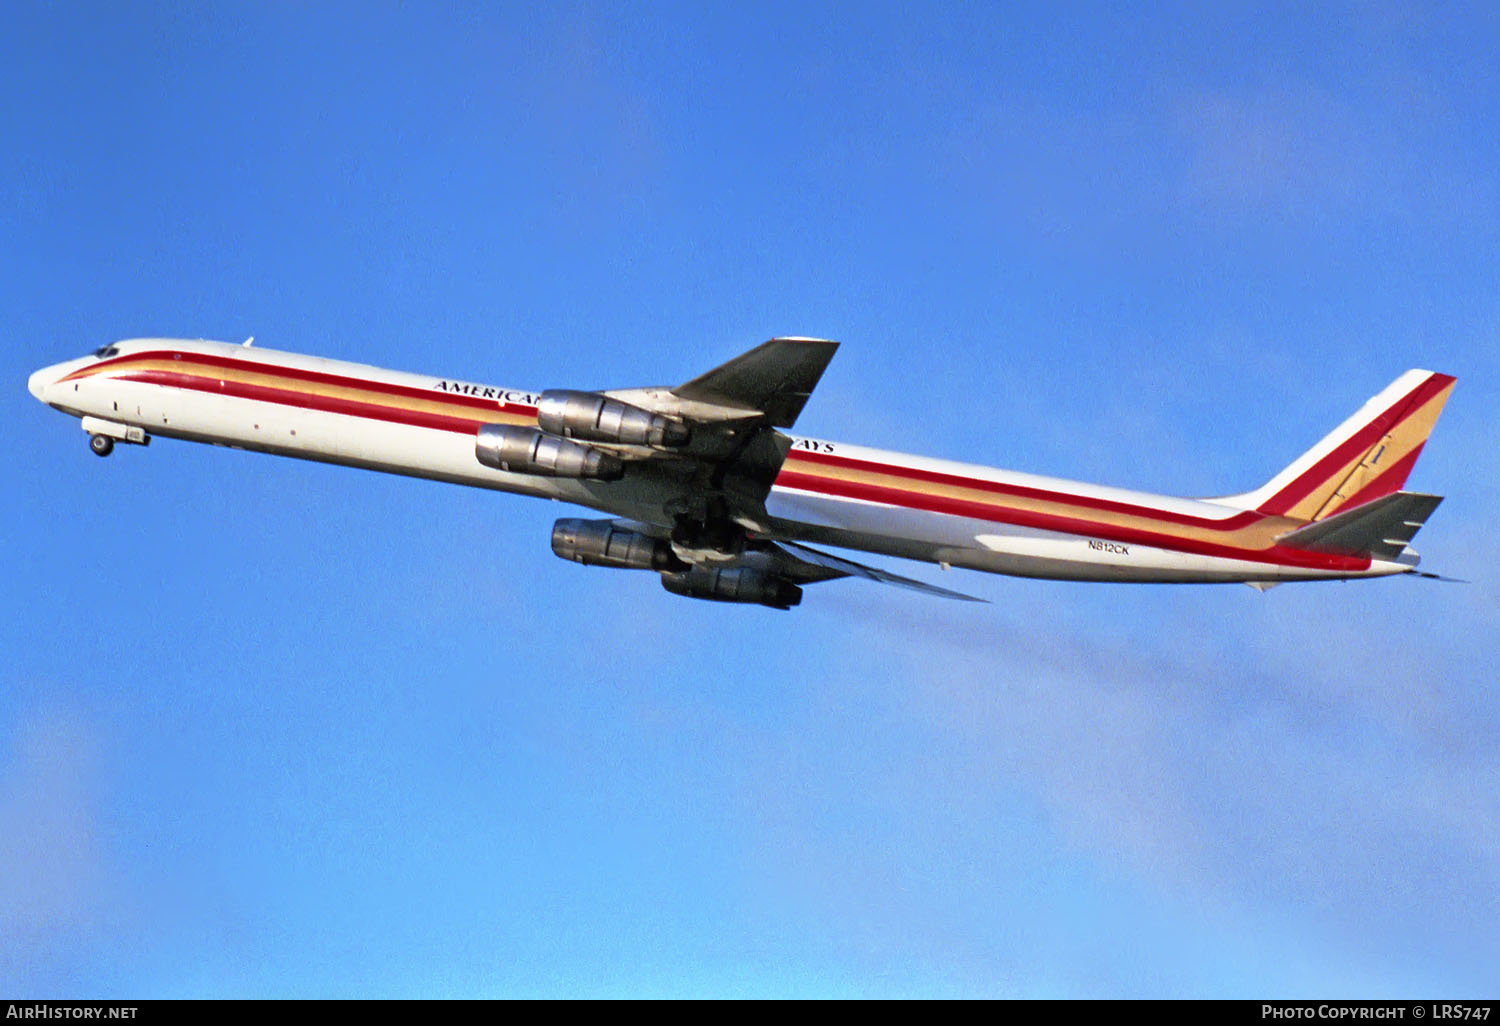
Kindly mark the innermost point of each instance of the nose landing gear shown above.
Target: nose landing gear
(103, 434)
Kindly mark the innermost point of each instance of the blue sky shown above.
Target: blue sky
(270, 728)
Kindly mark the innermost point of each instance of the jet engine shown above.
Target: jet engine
(738, 584)
(591, 417)
(601, 543)
(520, 450)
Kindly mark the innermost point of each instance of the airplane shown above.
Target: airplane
(702, 486)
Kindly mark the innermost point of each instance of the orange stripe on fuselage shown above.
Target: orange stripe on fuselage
(296, 386)
(1244, 535)
(1053, 520)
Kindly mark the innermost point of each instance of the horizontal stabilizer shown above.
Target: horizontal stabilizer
(775, 378)
(835, 566)
(1378, 529)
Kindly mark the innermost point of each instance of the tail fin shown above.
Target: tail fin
(1367, 456)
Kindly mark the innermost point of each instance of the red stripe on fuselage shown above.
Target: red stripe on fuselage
(209, 360)
(311, 401)
(1069, 525)
(789, 478)
(1229, 523)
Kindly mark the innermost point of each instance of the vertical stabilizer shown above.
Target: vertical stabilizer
(1367, 456)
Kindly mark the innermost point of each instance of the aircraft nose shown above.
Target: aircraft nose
(38, 382)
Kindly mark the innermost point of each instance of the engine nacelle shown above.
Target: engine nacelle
(520, 450)
(739, 584)
(591, 417)
(601, 543)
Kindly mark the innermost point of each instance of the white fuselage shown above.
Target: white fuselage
(830, 492)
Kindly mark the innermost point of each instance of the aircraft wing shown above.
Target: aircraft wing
(821, 566)
(722, 475)
(630, 544)
(708, 450)
(774, 379)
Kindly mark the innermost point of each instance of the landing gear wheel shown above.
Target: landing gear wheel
(102, 445)
(717, 539)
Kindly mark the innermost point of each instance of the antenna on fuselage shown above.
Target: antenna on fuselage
(248, 342)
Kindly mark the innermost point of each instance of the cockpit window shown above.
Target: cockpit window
(104, 351)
